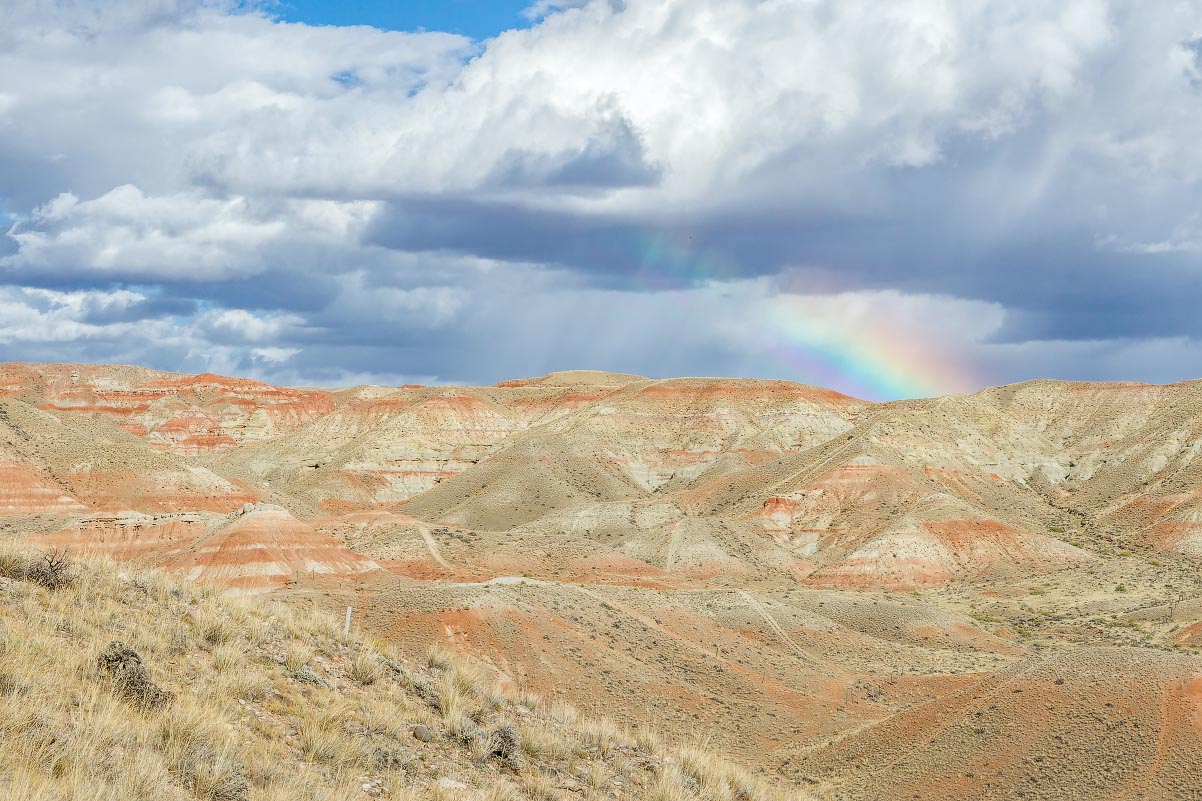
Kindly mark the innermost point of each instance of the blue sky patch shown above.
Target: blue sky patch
(475, 18)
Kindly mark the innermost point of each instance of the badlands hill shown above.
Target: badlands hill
(842, 591)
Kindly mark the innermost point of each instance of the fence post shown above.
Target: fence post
(346, 627)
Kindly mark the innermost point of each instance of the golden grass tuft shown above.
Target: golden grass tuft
(439, 658)
(297, 656)
(366, 668)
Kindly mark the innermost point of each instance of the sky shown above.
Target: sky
(479, 19)
(892, 200)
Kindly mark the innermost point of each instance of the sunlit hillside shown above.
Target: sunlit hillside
(118, 685)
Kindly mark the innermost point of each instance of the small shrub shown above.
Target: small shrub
(505, 743)
(131, 680)
(308, 675)
(52, 571)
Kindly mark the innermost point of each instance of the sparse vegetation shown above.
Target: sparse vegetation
(117, 686)
(366, 668)
(52, 569)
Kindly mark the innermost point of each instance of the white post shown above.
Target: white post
(346, 627)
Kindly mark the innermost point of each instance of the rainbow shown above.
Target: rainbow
(874, 361)
(800, 337)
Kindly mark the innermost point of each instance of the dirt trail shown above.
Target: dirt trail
(760, 610)
(432, 546)
(673, 546)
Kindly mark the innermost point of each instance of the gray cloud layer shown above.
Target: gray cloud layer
(660, 186)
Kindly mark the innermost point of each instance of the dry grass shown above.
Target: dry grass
(529, 699)
(228, 657)
(297, 656)
(438, 658)
(240, 722)
(648, 739)
(366, 668)
(540, 787)
(601, 734)
(598, 776)
(211, 627)
(563, 712)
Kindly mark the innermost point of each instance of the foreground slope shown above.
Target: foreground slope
(117, 686)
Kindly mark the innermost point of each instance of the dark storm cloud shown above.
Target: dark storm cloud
(1060, 283)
